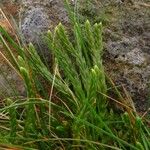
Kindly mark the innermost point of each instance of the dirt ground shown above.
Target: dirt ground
(126, 37)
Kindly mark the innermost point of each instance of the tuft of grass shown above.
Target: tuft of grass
(67, 107)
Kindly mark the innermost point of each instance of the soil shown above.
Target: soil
(126, 36)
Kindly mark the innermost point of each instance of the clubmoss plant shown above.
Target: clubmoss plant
(74, 112)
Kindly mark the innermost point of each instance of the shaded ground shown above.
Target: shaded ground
(126, 36)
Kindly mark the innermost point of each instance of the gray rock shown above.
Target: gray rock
(34, 24)
(134, 57)
(37, 17)
(128, 64)
(40, 15)
(11, 84)
(127, 50)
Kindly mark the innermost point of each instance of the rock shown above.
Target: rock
(34, 24)
(37, 17)
(135, 57)
(11, 84)
(127, 58)
(126, 50)
(40, 15)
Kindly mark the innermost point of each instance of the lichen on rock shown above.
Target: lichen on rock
(35, 23)
(37, 17)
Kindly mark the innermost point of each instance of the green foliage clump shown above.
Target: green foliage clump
(67, 107)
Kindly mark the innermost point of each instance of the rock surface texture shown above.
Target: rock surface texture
(11, 83)
(37, 17)
(128, 51)
(40, 15)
